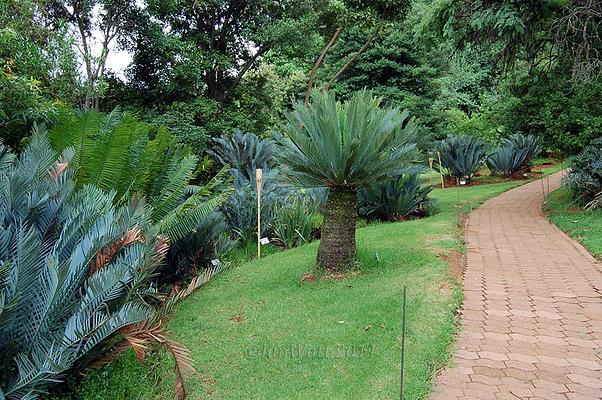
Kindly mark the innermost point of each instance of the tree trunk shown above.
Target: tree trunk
(337, 241)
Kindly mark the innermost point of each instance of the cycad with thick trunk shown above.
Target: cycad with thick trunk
(345, 146)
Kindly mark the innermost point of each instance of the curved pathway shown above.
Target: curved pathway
(532, 312)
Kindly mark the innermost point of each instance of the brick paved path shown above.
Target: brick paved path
(532, 314)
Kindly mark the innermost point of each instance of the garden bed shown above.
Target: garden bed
(490, 180)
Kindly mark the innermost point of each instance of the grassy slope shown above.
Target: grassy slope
(241, 327)
(584, 226)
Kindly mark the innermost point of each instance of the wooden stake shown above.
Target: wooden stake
(440, 170)
(259, 179)
(431, 171)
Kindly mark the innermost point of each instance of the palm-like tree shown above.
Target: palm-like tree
(345, 146)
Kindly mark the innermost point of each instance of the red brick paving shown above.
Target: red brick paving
(532, 313)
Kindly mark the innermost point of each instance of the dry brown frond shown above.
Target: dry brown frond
(58, 169)
(106, 254)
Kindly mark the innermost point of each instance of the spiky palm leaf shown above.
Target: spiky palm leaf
(347, 145)
(74, 272)
(115, 153)
(527, 143)
(462, 156)
(243, 151)
(507, 161)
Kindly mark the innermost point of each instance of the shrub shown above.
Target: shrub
(209, 240)
(514, 154)
(529, 143)
(462, 155)
(74, 271)
(343, 147)
(243, 152)
(395, 199)
(506, 161)
(295, 223)
(117, 152)
(241, 208)
(585, 177)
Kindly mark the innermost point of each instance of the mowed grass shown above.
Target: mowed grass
(583, 226)
(259, 331)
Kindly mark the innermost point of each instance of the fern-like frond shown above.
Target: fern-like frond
(183, 219)
(171, 194)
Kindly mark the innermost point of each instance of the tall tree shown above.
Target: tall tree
(211, 45)
(371, 15)
(539, 31)
(38, 69)
(392, 67)
(98, 23)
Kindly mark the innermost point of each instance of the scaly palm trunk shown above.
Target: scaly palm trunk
(337, 242)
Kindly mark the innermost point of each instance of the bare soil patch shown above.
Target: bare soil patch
(455, 264)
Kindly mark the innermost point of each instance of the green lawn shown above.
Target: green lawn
(259, 332)
(584, 226)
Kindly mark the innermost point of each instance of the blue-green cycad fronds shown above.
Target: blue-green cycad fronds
(462, 155)
(74, 270)
(351, 144)
(528, 143)
(243, 151)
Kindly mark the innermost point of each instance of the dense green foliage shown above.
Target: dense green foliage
(549, 52)
(391, 67)
(585, 176)
(37, 70)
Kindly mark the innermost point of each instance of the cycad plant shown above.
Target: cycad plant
(243, 151)
(343, 147)
(395, 199)
(462, 155)
(74, 270)
(528, 143)
(506, 161)
(117, 152)
(585, 176)
(514, 155)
